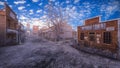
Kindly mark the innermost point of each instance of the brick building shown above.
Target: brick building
(8, 26)
(101, 35)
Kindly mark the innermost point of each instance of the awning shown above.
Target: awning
(12, 31)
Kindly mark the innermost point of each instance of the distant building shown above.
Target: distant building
(101, 35)
(65, 32)
(8, 26)
(28, 31)
(47, 33)
(21, 36)
(74, 35)
(28, 26)
(35, 30)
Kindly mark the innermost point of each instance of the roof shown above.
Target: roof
(2, 12)
(102, 21)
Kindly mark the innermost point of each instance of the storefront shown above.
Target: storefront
(101, 35)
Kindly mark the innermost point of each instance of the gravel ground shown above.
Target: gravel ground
(46, 54)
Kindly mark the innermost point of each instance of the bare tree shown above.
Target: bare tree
(55, 18)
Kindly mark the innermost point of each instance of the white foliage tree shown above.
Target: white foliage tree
(55, 18)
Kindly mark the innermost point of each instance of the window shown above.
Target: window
(92, 36)
(107, 37)
(82, 36)
(8, 24)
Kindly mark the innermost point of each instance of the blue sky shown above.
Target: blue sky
(33, 11)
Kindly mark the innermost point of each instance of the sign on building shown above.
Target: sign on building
(110, 29)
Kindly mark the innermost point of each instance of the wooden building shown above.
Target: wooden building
(21, 33)
(8, 26)
(63, 32)
(100, 35)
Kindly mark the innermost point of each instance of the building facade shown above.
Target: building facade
(21, 33)
(101, 35)
(35, 30)
(8, 26)
(74, 35)
(28, 31)
(47, 33)
(65, 32)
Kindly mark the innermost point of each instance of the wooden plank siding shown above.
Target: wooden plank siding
(91, 31)
(8, 20)
(2, 28)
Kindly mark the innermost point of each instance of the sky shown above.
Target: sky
(33, 11)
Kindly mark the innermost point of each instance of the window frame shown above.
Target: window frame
(110, 38)
(94, 35)
(82, 35)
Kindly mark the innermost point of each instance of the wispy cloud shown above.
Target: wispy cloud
(22, 17)
(21, 8)
(67, 1)
(28, 4)
(110, 8)
(40, 4)
(35, 0)
(76, 1)
(19, 2)
(52, 0)
(31, 11)
(38, 11)
(11, 6)
(1, 3)
(56, 3)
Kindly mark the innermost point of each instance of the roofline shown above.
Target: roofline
(101, 21)
(94, 17)
(110, 20)
(6, 5)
